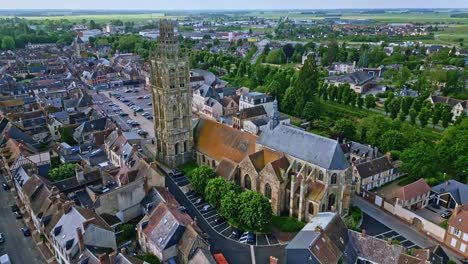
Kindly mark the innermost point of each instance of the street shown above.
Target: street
(20, 249)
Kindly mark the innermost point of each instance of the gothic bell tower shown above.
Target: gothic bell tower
(170, 86)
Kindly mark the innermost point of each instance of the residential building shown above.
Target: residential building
(120, 145)
(248, 114)
(456, 237)
(374, 173)
(359, 81)
(459, 107)
(414, 195)
(450, 194)
(342, 68)
(85, 132)
(256, 99)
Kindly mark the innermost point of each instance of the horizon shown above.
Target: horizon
(239, 5)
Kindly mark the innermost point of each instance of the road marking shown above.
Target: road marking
(252, 254)
(218, 225)
(412, 246)
(404, 241)
(226, 229)
(385, 233)
(211, 216)
(267, 240)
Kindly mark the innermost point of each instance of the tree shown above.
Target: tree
(312, 110)
(393, 140)
(149, 258)
(230, 206)
(62, 172)
(288, 50)
(394, 108)
(402, 116)
(406, 103)
(276, 57)
(437, 113)
(255, 209)
(447, 116)
(419, 160)
(345, 128)
(413, 115)
(370, 101)
(424, 116)
(217, 188)
(199, 178)
(373, 127)
(128, 232)
(453, 150)
(8, 43)
(359, 102)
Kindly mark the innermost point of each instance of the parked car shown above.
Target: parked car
(220, 220)
(123, 114)
(139, 97)
(112, 104)
(206, 208)
(198, 201)
(2, 238)
(5, 186)
(26, 231)
(18, 215)
(149, 104)
(251, 238)
(128, 91)
(146, 97)
(237, 233)
(446, 214)
(145, 114)
(139, 110)
(149, 117)
(130, 121)
(14, 208)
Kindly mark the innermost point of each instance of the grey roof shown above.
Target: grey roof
(302, 240)
(374, 167)
(318, 150)
(458, 190)
(70, 103)
(357, 78)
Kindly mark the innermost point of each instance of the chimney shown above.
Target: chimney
(376, 152)
(79, 234)
(87, 222)
(112, 257)
(318, 229)
(119, 132)
(363, 233)
(135, 148)
(389, 156)
(7, 135)
(273, 260)
(67, 206)
(123, 251)
(103, 259)
(457, 210)
(447, 183)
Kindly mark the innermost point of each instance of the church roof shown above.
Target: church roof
(318, 150)
(219, 141)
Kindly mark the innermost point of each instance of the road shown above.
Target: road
(20, 249)
(234, 251)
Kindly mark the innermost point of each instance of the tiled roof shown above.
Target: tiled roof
(459, 218)
(226, 169)
(413, 190)
(374, 249)
(219, 141)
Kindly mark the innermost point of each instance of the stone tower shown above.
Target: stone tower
(170, 86)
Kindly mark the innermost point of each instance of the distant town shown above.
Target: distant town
(300, 136)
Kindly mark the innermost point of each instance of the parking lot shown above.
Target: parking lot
(374, 228)
(219, 224)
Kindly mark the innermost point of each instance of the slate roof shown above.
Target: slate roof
(357, 78)
(251, 112)
(458, 190)
(374, 249)
(449, 101)
(374, 167)
(318, 150)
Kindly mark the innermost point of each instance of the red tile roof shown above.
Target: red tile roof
(413, 190)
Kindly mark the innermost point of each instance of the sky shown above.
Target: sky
(227, 4)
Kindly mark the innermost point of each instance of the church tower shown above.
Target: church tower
(170, 86)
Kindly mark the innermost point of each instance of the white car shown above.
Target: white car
(146, 97)
(145, 114)
(130, 121)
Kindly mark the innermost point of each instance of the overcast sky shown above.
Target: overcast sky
(227, 4)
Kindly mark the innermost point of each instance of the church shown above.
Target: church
(301, 173)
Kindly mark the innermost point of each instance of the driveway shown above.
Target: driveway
(20, 249)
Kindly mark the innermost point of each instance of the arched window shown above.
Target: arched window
(203, 159)
(311, 208)
(247, 182)
(333, 178)
(267, 191)
(176, 148)
(320, 176)
(237, 178)
(331, 201)
(185, 146)
(213, 164)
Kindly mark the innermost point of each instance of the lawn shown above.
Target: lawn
(287, 224)
(187, 168)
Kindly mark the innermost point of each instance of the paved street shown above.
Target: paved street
(20, 249)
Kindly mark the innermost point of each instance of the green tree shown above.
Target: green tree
(419, 160)
(312, 110)
(447, 116)
(255, 209)
(359, 102)
(199, 178)
(149, 258)
(453, 149)
(406, 103)
(424, 116)
(8, 43)
(276, 57)
(230, 206)
(393, 140)
(217, 188)
(288, 50)
(437, 113)
(402, 116)
(128, 232)
(345, 128)
(370, 101)
(413, 115)
(373, 127)
(394, 108)
(62, 172)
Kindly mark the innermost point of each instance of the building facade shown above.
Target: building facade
(170, 86)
